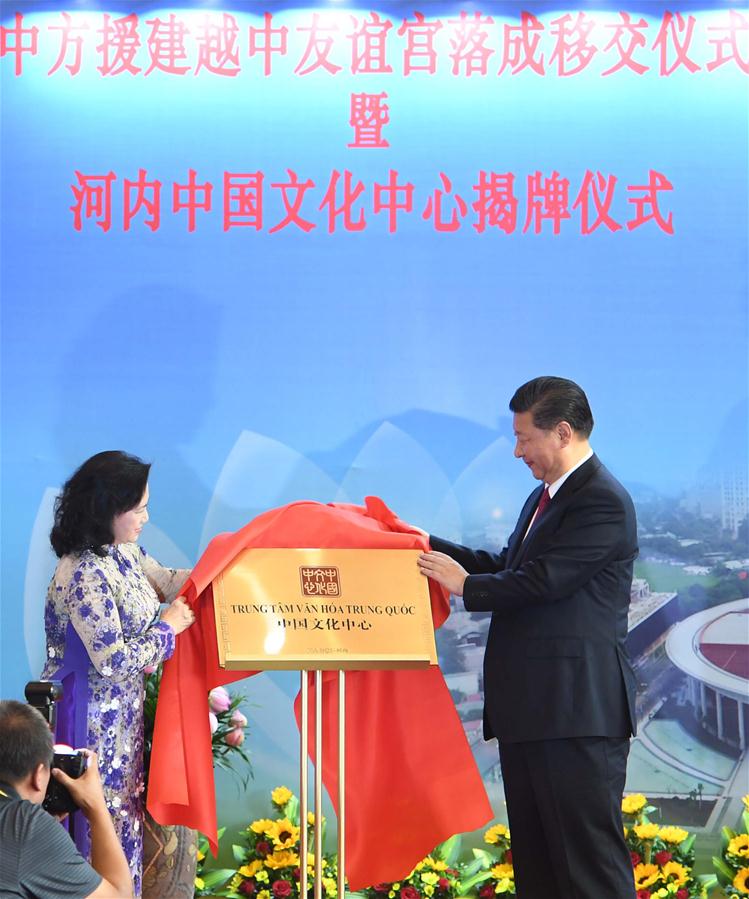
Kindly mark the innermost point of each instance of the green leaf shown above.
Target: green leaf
(686, 846)
(449, 851)
(467, 885)
(708, 881)
(239, 853)
(472, 867)
(291, 810)
(217, 877)
(488, 858)
(726, 836)
(219, 833)
(725, 874)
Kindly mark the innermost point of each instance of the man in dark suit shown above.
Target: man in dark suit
(559, 688)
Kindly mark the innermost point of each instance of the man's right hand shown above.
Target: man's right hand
(107, 857)
(86, 790)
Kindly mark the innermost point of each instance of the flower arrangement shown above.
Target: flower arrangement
(269, 864)
(207, 882)
(491, 871)
(732, 867)
(435, 877)
(228, 725)
(662, 857)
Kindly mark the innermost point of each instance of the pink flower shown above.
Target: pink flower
(213, 721)
(234, 737)
(149, 669)
(219, 700)
(238, 719)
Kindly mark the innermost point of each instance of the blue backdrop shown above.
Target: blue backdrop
(255, 367)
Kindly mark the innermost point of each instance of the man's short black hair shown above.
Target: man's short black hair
(552, 400)
(25, 741)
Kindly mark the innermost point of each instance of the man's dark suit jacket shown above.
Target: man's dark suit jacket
(555, 663)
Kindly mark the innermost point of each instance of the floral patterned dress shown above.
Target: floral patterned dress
(112, 602)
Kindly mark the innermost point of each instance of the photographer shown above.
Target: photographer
(38, 858)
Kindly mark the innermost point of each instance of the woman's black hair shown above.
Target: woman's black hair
(106, 485)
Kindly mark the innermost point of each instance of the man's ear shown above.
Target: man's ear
(564, 431)
(39, 778)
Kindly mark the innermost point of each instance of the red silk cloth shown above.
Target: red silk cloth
(411, 780)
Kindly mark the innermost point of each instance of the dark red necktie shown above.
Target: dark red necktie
(543, 503)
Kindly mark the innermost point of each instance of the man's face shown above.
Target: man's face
(540, 450)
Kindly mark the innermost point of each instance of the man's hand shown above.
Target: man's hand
(86, 790)
(444, 570)
(107, 856)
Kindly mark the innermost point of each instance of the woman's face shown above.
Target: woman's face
(126, 526)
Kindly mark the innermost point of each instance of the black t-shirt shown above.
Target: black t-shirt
(38, 860)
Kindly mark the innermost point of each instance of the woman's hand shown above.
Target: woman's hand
(178, 615)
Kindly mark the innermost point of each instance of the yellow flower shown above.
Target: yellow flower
(496, 833)
(281, 795)
(429, 890)
(429, 877)
(262, 825)
(745, 800)
(201, 855)
(673, 835)
(311, 819)
(675, 873)
(645, 875)
(439, 865)
(502, 871)
(262, 876)
(199, 883)
(739, 845)
(741, 881)
(263, 894)
(283, 833)
(646, 831)
(281, 858)
(251, 869)
(234, 882)
(632, 805)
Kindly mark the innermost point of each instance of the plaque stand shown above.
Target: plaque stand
(304, 783)
(315, 610)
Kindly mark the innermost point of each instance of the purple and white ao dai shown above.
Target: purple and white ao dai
(112, 602)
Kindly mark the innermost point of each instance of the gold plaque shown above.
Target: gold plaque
(323, 608)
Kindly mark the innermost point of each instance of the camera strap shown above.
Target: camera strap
(7, 793)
